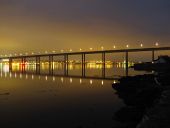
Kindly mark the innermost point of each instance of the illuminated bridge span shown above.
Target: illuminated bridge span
(83, 58)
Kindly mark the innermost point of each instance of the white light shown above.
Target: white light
(156, 44)
(114, 46)
(141, 45)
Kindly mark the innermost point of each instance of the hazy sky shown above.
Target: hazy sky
(39, 25)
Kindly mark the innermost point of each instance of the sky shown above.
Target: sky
(47, 25)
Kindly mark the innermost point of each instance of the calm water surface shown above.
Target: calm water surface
(30, 100)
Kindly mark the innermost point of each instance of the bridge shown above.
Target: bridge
(83, 58)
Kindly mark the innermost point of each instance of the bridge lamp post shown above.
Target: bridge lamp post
(114, 47)
(102, 48)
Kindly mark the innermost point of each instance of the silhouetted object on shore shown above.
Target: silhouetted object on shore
(162, 63)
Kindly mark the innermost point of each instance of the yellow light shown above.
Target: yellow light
(71, 50)
(80, 49)
(91, 48)
(141, 45)
(62, 50)
(102, 48)
(114, 46)
(127, 46)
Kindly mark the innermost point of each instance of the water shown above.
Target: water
(39, 100)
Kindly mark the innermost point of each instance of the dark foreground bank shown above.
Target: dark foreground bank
(148, 101)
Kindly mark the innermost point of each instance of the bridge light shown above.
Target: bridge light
(127, 46)
(32, 53)
(62, 51)
(53, 51)
(80, 49)
(91, 49)
(70, 50)
(102, 47)
(114, 46)
(156, 44)
(20, 54)
(46, 52)
(141, 45)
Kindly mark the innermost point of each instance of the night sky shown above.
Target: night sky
(39, 25)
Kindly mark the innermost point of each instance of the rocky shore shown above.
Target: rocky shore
(147, 99)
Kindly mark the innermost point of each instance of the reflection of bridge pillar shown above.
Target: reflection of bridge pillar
(38, 64)
(83, 62)
(103, 64)
(66, 64)
(51, 65)
(153, 55)
(10, 64)
(127, 61)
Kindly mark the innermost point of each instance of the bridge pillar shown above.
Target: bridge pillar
(126, 62)
(153, 55)
(51, 65)
(38, 64)
(83, 65)
(66, 64)
(103, 64)
(23, 60)
(10, 64)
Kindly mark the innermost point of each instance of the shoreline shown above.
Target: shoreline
(147, 98)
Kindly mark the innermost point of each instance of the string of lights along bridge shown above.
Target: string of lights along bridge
(66, 51)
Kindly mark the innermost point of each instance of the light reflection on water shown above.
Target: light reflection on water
(57, 101)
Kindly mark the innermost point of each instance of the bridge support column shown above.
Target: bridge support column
(103, 64)
(38, 64)
(10, 64)
(153, 55)
(23, 60)
(127, 63)
(51, 65)
(66, 64)
(83, 65)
